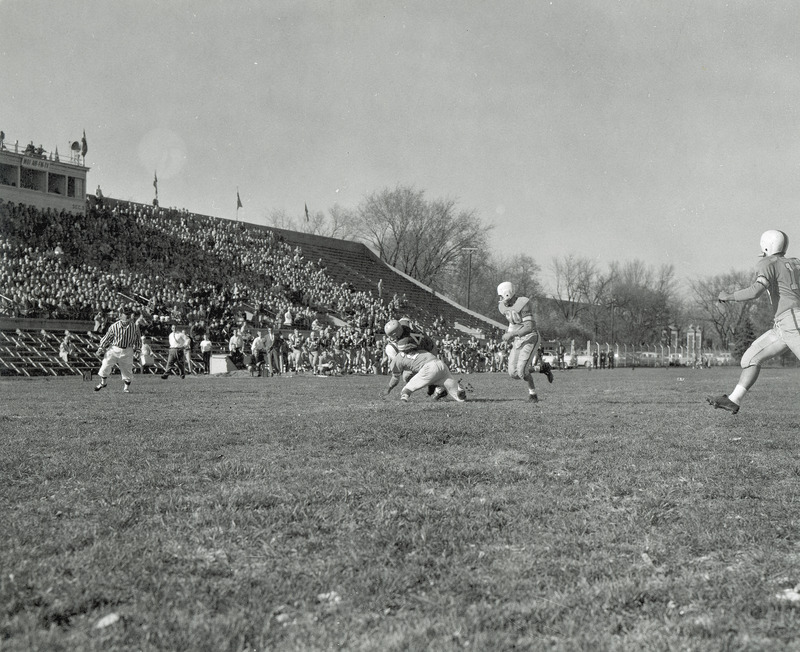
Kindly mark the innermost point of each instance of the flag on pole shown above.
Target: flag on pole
(306, 212)
(155, 182)
(84, 146)
(238, 201)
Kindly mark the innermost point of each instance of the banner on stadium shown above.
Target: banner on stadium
(35, 163)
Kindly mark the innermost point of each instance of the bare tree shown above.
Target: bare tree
(726, 318)
(645, 299)
(422, 238)
(575, 276)
(340, 223)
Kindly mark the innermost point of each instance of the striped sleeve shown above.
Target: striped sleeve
(125, 336)
(110, 336)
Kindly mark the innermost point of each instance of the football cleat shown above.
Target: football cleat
(440, 393)
(404, 398)
(99, 387)
(164, 376)
(723, 402)
(126, 389)
(533, 398)
(462, 394)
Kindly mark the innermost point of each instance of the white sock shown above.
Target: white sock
(738, 394)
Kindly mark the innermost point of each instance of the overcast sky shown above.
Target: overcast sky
(664, 131)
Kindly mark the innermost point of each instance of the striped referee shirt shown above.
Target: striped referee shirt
(125, 336)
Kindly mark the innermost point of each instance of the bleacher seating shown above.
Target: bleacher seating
(248, 258)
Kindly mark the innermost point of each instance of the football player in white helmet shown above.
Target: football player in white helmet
(522, 332)
(780, 277)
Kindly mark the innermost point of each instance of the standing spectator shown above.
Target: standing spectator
(187, 351)
(66, 348)
(257, 352)
(561, 350)
(268, 338)
(313, 346)
(235, 345)
(205, 348)
(276, 352)
(296, 343)
(118, 347)
(146, 357)
(780, 277)
(99, 320)
(176, 357)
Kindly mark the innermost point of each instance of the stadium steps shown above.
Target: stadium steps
(33, 354)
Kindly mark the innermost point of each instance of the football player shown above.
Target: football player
(780, 277)
(523, 335)
(407, 339)
(426, 370)
(403, 339)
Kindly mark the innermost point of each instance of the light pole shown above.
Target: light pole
(470, 251)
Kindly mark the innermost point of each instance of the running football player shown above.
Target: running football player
(524, 337)
(780, 277)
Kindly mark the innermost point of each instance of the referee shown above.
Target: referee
(118, 347)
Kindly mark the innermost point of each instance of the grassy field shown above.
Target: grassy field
(619, 513)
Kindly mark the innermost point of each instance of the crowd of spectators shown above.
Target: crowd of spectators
(216, 276)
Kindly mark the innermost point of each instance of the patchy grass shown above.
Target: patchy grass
(621, 512)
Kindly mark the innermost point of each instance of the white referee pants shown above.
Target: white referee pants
(122, 358)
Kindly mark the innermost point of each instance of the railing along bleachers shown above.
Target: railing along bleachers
(36, 353)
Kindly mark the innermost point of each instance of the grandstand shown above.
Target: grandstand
(60, 268)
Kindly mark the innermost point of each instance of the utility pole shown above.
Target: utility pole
(470, 251)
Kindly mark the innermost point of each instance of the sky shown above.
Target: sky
(660, 131)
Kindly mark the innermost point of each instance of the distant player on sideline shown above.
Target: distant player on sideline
(426, 370)
(118, 347)
(780, 277)
(522, 332)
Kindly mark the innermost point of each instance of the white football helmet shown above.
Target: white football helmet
(774, 242)
(393, 329)
(506, 291)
